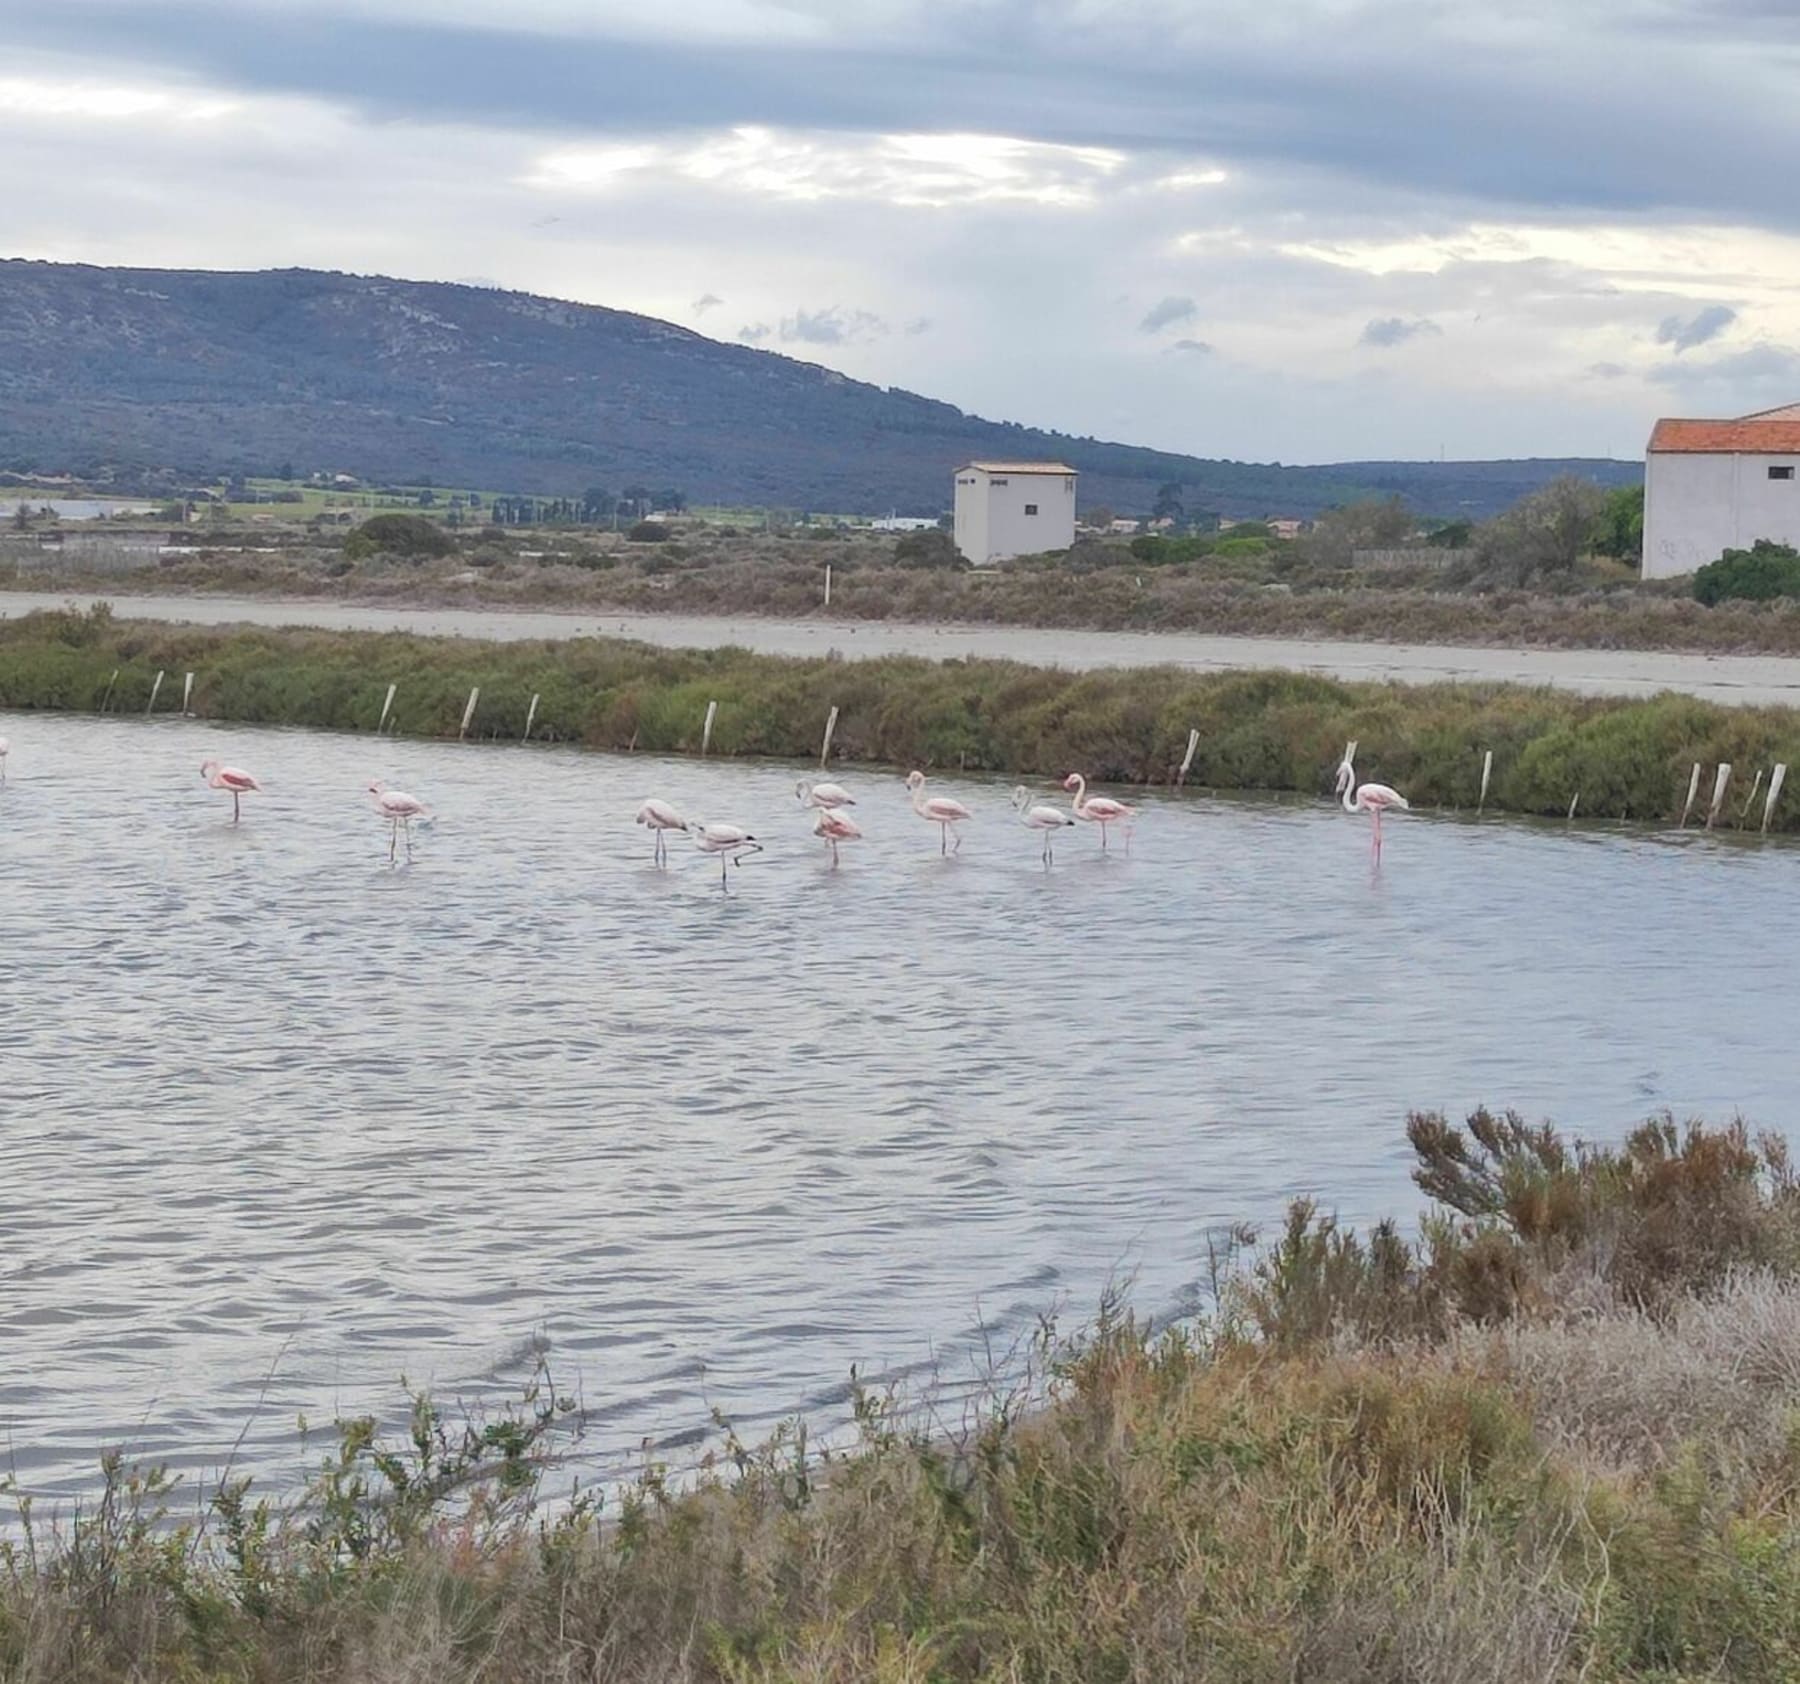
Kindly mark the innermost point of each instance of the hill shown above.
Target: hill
(200, 373)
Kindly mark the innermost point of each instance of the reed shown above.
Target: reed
(1256, 730)
(1551, 1439)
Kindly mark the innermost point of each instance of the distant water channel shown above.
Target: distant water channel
(279, 1124)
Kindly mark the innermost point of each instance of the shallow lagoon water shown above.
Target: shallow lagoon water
(279, 1123)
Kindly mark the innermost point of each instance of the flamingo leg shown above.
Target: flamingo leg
(409, 852)
(1378, 836)
(1103, 836)
(393, 838)
(235, 798)
(724, 861)
(943, 839)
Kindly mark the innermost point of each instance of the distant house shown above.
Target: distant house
(1285, 528)
(1710, 486)
(1004, 509)
(902, 523)
(1122, 526)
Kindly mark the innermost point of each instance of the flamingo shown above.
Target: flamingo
(728, 841)
(1099, 809)
(228, 777)
(1373, 799)
(399, 809)
(660, 817)
(1040, 817)
(940, 809)
(833, 828)
(823, 795)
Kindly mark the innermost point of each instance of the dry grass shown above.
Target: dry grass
(1591, 1476)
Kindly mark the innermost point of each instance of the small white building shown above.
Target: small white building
(1004, 509)
(1712, 486)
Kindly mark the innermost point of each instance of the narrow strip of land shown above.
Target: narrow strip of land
(1733, 680)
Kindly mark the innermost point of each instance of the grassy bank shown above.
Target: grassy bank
(1554, 1439)
(785, 579)
(1258, 731)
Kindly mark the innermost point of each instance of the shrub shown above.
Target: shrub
(648, 532)
(412, 536)
(934, 548)
(1759, 574)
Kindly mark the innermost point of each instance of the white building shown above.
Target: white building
(1712, 486)
(1005, 509)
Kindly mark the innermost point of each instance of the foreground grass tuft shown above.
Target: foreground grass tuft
(1258, 730)
(1552, 1438)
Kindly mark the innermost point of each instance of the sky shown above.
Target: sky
(1272, 230)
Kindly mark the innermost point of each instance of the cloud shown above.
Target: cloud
(1170, 312)
(1388, 331)
(831, 326)
(1683, 334)
(754, 333)
(1607, 371)
(918, 325)
(1765, 368)
(1189, 348)
(706, 301)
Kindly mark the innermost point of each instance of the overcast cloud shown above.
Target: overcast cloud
(1403, 227)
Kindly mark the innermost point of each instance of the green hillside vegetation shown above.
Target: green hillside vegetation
(183, 374)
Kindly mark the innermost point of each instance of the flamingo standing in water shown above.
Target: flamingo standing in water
(228, 777)
(728, 841)
(939, 809)
(1099, 809)
(399, 809)
(833, 827)
(823, 795)
(1373, 799)
(661, 818)
(1041, 817)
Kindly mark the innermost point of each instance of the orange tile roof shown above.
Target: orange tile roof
(1774, 436)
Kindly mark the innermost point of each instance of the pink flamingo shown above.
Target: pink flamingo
(1041, 817)
(228, 777)
(1373, 799)
(939, 809)
(399, 809)
(834, 827)
(660, 817)
(822, 795)
(728, 841)
(1099, 809)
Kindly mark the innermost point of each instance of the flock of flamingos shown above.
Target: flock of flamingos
(827, 801)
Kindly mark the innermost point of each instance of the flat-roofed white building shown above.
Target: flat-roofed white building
(1712, 486)
(1004, 509)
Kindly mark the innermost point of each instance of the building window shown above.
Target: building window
(1781, 473)
(1069, 484)
(996, 482)
(1031, 508)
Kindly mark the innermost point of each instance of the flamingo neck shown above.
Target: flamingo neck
(1080, 798)
(1350, 791)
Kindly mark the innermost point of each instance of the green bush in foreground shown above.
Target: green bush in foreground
(1258, 730)
(1552, 1439)
(1759, 574)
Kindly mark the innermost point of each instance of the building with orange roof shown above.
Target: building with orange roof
(1712, 486)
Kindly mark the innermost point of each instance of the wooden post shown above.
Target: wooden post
(530, 715)
(1776, 779)
(825, 748)
(1574, 802)
(154, 688)
(712, 712)
(1720, 780)
(1187, 760)
(386, 707)
(1687, 808)
(187, 695)
(469, 712)
(106, 700)
(1750, 799)
(827, 584)
(1487, 771)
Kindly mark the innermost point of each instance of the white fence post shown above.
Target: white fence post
(154, 689)
(386, 708)
(1487, 771)
(1776, 779)
(825, 747)
(712, 713)
(1720, 780)
(469, 712)
(1187, 760)
(1687, 808)
(530, 715)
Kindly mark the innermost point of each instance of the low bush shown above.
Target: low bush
(648, 532)
(1759, 574)
(1258, 730)
(411, 536)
